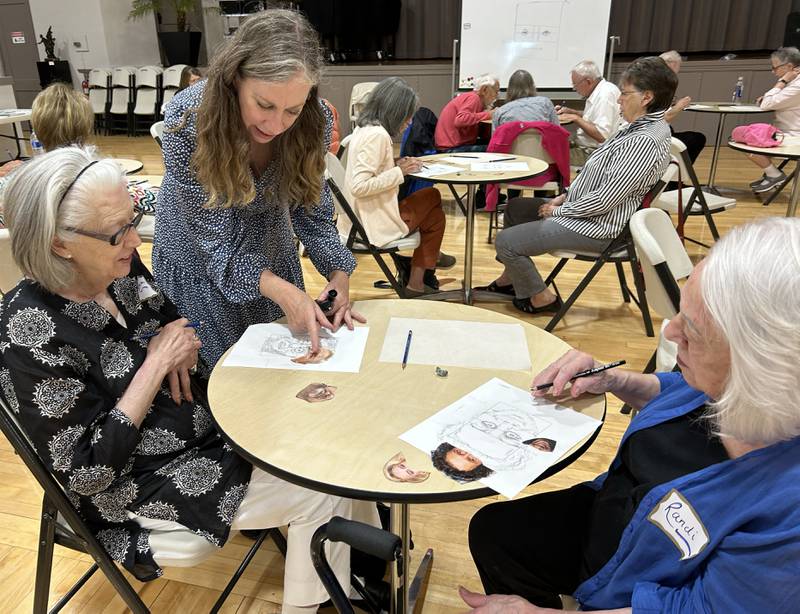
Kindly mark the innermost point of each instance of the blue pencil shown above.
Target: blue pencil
(153, 334)
(408, 346)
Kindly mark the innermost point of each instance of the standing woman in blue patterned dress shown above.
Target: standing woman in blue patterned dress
(244, 155)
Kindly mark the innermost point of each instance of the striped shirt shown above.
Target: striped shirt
(615, 178)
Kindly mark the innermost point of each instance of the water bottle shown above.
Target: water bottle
(36, 145)
(738, 90)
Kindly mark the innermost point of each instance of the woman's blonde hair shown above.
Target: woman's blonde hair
(40, 201)
(61, 116)
(274, 45)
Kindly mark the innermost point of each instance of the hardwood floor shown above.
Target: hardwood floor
(600, 323)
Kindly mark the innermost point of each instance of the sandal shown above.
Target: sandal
(524, 305)
(497, 289)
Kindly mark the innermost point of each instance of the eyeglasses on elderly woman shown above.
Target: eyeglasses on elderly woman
(114, 239)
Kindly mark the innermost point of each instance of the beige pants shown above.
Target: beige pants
(272, 502)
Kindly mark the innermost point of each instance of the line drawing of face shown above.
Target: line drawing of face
(317, 392)
(296, 346)
(397, 470)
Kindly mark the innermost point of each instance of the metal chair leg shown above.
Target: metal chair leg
(623, 284)
(575, 294)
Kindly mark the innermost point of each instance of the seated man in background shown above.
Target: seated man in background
(694, 141)
(700, 510)
(457, 129)
(599, 120)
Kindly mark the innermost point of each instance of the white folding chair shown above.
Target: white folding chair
(157, 131)
(123, 93)
(100, 97)
(358, 97)
(148, 88)
(170, 82)
(691, 200)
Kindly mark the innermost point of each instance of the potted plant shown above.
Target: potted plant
(181, 47)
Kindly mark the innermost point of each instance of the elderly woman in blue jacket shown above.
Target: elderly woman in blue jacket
(700, 509)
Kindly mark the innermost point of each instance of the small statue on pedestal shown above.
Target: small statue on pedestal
(49, 43)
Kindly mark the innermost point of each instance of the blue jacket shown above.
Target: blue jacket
(723, 539)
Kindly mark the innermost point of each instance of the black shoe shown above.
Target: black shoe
(497, 289)
(445, 261)
(430, 279)
(480, 199)
(501, 199)
(524, 305)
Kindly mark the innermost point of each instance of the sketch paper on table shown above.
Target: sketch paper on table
(495, 425)
(462, 159)
(434, 170)
(498, 167)
(272, 346)
(733, 108)
(456, 343)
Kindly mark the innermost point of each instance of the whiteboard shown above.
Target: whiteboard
(545, 37)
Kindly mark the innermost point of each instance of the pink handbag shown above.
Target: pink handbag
(758, 135)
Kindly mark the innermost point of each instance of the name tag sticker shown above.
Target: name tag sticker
(146, 291)
(681, 524)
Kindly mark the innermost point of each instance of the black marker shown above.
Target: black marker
(327, 304)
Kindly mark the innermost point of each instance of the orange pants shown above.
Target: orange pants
(422, 211)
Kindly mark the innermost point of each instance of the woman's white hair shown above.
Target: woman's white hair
(486, 79)
(671, 57)
(750, 285)
(588, 69)
(35, 214)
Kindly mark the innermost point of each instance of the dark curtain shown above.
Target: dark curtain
(648, 26)
(427, 29)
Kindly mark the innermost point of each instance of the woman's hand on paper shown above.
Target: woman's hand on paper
(565, 368)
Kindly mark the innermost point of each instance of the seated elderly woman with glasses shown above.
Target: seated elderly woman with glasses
(98, 365)
(700, 510)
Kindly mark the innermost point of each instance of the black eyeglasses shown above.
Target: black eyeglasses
(117, 237)
(774, 68)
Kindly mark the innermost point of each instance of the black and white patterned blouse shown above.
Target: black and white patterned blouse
(209, 261)
(63, 365)
(615, 179)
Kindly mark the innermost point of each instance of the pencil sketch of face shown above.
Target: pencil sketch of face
(317, 392)
(397, 470)
(297, 346)
(497, 436)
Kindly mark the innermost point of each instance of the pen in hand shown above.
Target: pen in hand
(586, 373)
(194, 325)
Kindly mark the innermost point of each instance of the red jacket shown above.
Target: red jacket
(555, 141)
(458, 123)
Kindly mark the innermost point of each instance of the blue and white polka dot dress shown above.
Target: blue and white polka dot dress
(209, 261)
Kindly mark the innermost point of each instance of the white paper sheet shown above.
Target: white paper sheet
(463, 160)
(272, 346)
(490, 427)
(434, 170)
(456, 343)
(700, 106)
(498, 167)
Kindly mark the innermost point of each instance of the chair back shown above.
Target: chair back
(123, 76)
(336, 174)
(99, 77)
(148, 76)
(157, 132)
(344, 147)
(358, 98)
(663, 259)
(9, 271)
(172, 76)
(529, 143)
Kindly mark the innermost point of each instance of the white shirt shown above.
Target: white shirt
(602, 110)
(786, 104)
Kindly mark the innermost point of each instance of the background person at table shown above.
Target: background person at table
(719, 445)
(694, 141)
(457, 128)
(784, 99)
(244, 156)
(374, 177)
(603, 197)
(600, 118)
(121, 421)
(522, 103)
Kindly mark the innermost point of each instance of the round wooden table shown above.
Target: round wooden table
(341, 445)
(722, 109)
(790, 150)
(472, 179)
(129, 165)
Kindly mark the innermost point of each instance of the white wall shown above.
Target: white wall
(112, 39)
